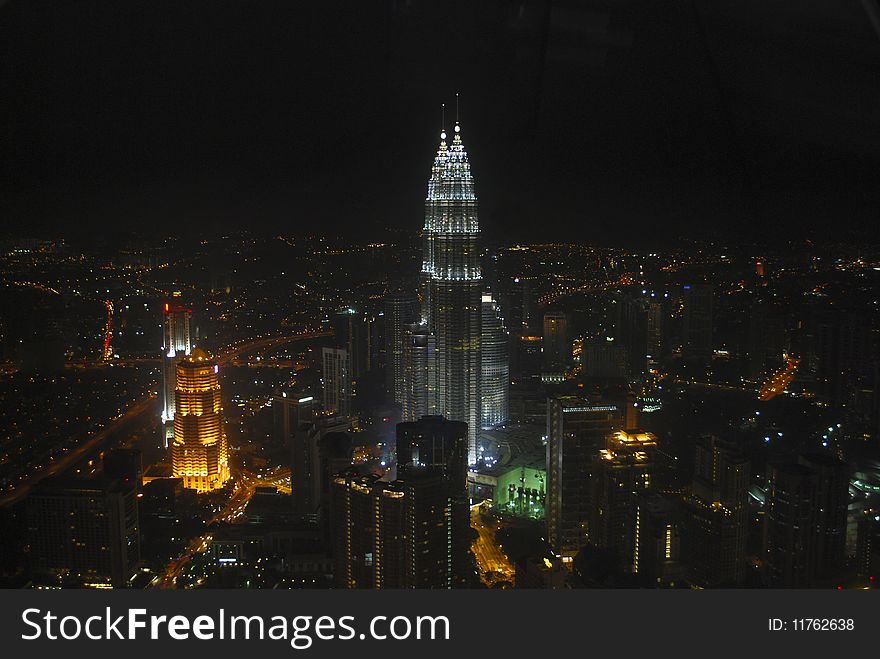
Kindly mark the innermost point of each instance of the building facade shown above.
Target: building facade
(199, 450)
(576, 431)
(401, 311)
(336, 369)
(176, 344)
(805, 521)
(557, 345)
(84, 532)
(392, 534)
(451, 284)
(717, 515)
(495, 368)
(621, 472)
(419, 373)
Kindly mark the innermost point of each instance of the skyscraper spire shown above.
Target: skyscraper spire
(451, 285)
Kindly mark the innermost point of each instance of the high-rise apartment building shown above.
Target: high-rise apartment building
(291, 411)
(199, 450)
(359, 333)
(301, 429)
(393, 534)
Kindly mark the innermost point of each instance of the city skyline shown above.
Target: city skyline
(526, 294)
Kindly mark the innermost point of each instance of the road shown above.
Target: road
(625, 279)
(233, 509)
(94, 442)
(268, 342)
(137, 410)
(241, 494)
(490, 557)
(175, 567)
(777, 382)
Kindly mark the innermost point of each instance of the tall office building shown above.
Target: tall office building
(698, 321)
(495, 368)
(419, 373)
(199, 451)
(638, 329)
(401, 310)
(176, 344)
(84, 532)
(358, 333)
(392, 534)
(557, 344)
(657, 332)
(717, 515)
(335, 457)
(451, 284)
(621, 472)
(765, 339)
(302, 429)
(846, 354)
(604, 359)
(290, 412)
(336, 363)
(433, 441)
(805, 521)
(576, 430)
(517, 309)
(438, 443)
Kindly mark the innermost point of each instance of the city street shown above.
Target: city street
(492, 562)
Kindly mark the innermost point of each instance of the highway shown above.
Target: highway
(175, 567)
(82, 450)
(777, 382)
(592, 287)
(137, 410)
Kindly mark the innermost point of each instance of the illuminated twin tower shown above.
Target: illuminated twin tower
(451, 288)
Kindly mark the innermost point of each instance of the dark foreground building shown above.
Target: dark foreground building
(805, 523)
(84, 532)
(392, 534)
(414, 531)
(716, 514)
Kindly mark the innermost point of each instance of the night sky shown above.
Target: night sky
(613, 121)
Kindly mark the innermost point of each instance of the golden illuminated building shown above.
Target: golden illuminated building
(199, 452)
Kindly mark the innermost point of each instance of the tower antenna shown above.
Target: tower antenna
(443, 117)
(456, 107)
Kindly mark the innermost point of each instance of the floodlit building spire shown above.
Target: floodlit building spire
(451, 284)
